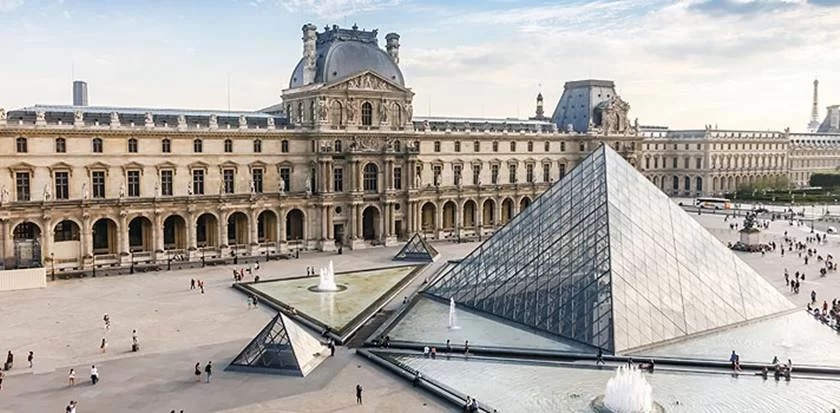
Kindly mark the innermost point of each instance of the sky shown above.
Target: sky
(738, 64)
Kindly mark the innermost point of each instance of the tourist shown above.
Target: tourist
(426, 351)
(733, 360)
(135, 344)
(94, 375)
(209, 370)
(359, 391)
(256, 278)
(71, 408)
(201, 285)
(249, 301)
(71, 377)
(813, 296)
(103, 345)
(10, 361)
(599, 359)
(466, 347)
(405, 300)
(192, 281)
(434, 353)
(2, 375)
(448, 346)
(197, 372)
(29, 358)
(762, 373)
(107, 320)
(254, 299)
(331, 345)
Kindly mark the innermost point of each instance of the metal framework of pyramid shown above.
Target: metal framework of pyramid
(604, 258)
(416, 249)
(282, 347)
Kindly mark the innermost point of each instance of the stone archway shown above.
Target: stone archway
(469, 214)
(267, 226)
(449, 216)
(26, 237)
(237, 229)
(525, 202)
(370, 224)
(427, 214)
(105, 237)
(207, 231)
(488, 213)
(507, 210)
(140, 237)
(67, 241)
(174, 233)
(295, 225)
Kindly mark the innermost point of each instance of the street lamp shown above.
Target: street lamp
(202, 257)
(52, 264)
(131, 257)
(93, 260)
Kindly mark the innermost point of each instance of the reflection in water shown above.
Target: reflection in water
(328, 304)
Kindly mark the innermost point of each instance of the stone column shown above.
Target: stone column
(497, 213)
(324, 231)
(389, 175)
(282, 222)
(87, 237)
(48, 236)
(358, 219)
(352, 227)
(330, 226)
(190, 231)
(392, 221)
(221, 228)
(386, 219)
(122, 232)
(4, 249)
(357, 171)
(459, 218)
(157, 231)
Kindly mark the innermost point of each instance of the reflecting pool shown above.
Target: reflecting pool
(530, 387)
(428, 322)
(796, 336)
(338, 308)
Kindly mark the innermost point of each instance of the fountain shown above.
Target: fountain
(326, 280)
(627, 392)
(453, 321)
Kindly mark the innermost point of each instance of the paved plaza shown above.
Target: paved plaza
(178, 327)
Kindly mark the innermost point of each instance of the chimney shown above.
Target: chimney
(834, 118)
(540, 111)
(80, 93)
(310, 36)
(392, 45)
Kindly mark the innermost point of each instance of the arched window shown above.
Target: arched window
(198, 146)
(397, 146)
(337, 146)
(367, 114)
(60, 145)
(132, 145)
(166, 145)
(20, 145)
(257, 146)
(97, 145)
(370, 177)
(336, 116)
(228, 146)
(284, 146)
(397, 116)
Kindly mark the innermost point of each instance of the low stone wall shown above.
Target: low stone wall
(23, 279)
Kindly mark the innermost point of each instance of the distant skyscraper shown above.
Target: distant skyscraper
(80, 94)
(814, 124)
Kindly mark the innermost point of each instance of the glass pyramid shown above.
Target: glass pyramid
(604, 258)
(416, 249)
(282, 347)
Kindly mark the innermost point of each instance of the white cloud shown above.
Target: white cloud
(331, 9)
(9, 5)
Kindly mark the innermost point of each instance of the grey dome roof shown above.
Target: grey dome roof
(339, 58)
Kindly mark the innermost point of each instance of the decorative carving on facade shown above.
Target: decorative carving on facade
(366, 144)
(322, 109)
(409, 111)
(369, 82)
(213, 122)
(383, 111)
(2, 114)
(40, 118)
(243, 122)
(115, 119)
(611, 116)
(352, 107)
(182, 122)
(270, 123)
(78, 118)
(150, 121)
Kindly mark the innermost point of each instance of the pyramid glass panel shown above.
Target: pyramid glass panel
(416, 249)
(606, 259)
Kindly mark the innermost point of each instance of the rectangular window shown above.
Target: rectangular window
(228, 177)
(699, 146)
(436, 170)
(132, 145)
(530, 146)
(698, 163)
(512, 173)
(647, 163)
(476, 169)
(338, 180)
(166, 182)
(166, 146)
(529, 173)
(547, 146)
(655, 163)
(133, 178)
(495, 146)
(257, 178)
(685, 163)
(546, 172)
(457, 146)
(582, 147)
(62, 185)
(285, 177)
(562, 146)
(97, 180)
(674, 162)
(562, 170)
(198, 181)
(476, 146)
(22, 186)
(456, 169)
(494, 174)
(513, 146)
(437, 146)
(398, 178)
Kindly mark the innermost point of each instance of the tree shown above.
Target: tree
(825, 180)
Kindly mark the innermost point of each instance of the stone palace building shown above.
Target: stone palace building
(341, 161)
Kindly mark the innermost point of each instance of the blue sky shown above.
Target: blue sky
(735, 63)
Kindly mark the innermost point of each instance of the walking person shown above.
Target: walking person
(359, 391)
(10, 361)
(197, 372)
(135, 344)
(103, 345)
(192, 283)
(2, 375)
(254, 300)
(94, 375)
(209, 370)
(29, 358)
(71, 378)
(107, 320)
(201, 285)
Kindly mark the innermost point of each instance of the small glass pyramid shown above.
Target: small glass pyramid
(416, 249)
(282, 347)
(604, 258)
